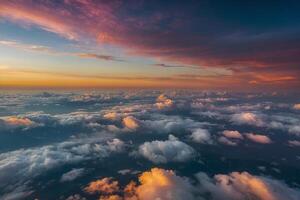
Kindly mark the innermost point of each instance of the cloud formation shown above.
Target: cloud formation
(105, 186)
(242, 185)
(247, 118)
(130, 122)
(201, 136)
(163, 102)
(72, 175)
(166, 185)
(262, 139)
(171, 150)
(232, 134)
(178, 32)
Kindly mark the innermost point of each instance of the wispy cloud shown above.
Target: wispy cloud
(51, 51)
(99, 56)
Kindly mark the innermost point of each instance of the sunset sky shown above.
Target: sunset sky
(234, 45)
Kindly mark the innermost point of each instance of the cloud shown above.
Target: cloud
(201, 136)
(173, 35)
(233, 134)
(111, 116)
(12, 122)
(226, 141)
(170, 66)
(166, 185)
(111, 197)
(131, 123)
(98, 56)
(72, 175)
(76, 197)
(27, 47)
(155, 184)
(164, 102)
(294, 143)
(262, 139)
(19, 166)
(15, 121)
(297, 106)
(294, 129)
(116, 145)
(242, 185)
(171, 150)
(51, 51)
(104, 186)
(247, 118)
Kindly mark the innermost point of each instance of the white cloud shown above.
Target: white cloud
(247, 118)
(226, 141)
(19, 166)
(171, 150)
(116, 145)
(72, 175)
(201, 136)
(294, 143)
(294, 129)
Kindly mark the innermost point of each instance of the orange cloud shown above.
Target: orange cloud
(259, 138)
(297, 106)
(154, 184)
(105, 186)
(130, 122)
(17, 121)
(166, 185)
(238, 185)
(232, 134)
(164, 102)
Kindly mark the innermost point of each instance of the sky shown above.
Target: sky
(231, 45)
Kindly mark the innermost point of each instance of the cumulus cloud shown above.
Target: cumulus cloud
(226, 141)
(154, 184)
(111, 116)
(171, 150)
(232, 134)
(16, 122)
(262, 139)
(116, 145)
(201, 136)
(104, 186)
(294, 129)
(297, 106)
(131, 122)
(163, 102)
(19, 166)
(242, 185)
(72, 175)
(294, 143)
(166, 185)
(162, 184)
(247, 118)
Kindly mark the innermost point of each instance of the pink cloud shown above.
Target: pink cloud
(163, 34)
(262, 139)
